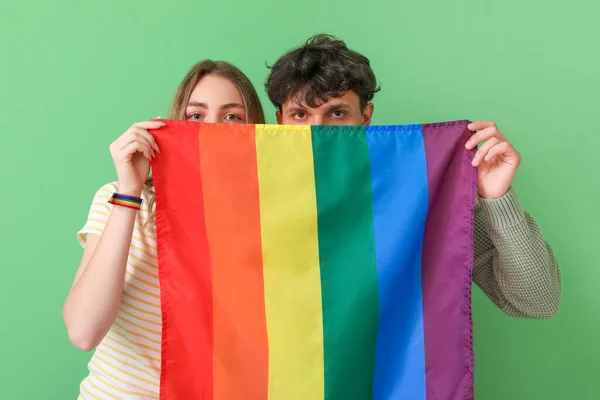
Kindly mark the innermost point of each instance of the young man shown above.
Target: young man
(325, 83)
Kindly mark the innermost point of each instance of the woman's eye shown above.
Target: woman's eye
(233, 118)
(195, 117)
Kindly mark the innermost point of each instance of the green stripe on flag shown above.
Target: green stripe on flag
(347, 261)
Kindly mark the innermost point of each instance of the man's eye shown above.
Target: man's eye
(299, 115)
(339, 114)
(195, 117)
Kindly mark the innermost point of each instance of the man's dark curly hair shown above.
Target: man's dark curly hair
(321, 69)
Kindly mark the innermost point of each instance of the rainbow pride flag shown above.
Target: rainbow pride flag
(310, 263)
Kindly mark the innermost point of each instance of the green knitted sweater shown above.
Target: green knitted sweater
(514, 266)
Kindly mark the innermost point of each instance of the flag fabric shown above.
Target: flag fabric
(315, 262)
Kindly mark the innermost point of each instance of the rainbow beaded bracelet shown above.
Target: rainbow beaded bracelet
(126, 201)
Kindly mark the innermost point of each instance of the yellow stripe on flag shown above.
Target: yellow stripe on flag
(288, 212)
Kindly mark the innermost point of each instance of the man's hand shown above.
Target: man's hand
(496, 160)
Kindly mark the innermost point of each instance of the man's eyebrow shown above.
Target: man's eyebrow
(296, 109)
(336, 107)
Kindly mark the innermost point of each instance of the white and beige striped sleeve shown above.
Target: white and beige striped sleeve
(98, 213)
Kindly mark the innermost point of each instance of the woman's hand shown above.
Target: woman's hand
(132, 153)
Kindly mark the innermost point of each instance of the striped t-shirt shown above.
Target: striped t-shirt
(126, 364)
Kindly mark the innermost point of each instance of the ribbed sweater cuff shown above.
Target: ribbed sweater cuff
(504, 211)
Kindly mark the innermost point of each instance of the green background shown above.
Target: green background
(74, 75)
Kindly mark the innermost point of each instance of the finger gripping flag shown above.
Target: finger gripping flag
(310, 263)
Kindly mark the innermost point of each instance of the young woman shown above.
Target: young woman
(114, 303)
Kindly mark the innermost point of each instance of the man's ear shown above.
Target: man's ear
(278, 116)
(368, 114)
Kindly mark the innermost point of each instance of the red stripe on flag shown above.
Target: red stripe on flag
(184, 266)
(231, 205)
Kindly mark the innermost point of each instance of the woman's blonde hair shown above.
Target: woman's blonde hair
(254, 110)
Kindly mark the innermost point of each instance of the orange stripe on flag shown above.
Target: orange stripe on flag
(231, 207)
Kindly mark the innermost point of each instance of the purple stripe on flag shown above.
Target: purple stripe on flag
(448, 261)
